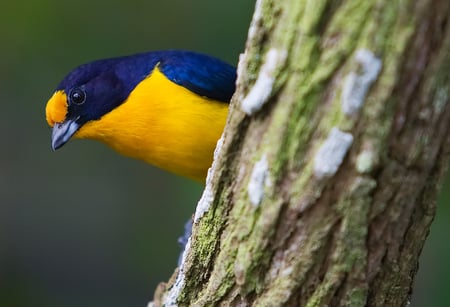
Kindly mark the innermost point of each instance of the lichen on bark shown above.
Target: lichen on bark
(352, 237)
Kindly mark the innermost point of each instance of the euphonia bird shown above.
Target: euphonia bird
(167, 108)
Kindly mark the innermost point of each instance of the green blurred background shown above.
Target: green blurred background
(85, 226)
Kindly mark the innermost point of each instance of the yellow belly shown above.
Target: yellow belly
(165, 125)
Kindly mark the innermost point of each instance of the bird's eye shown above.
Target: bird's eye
(77, 96)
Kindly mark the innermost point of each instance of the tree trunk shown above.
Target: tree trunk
(324, 183)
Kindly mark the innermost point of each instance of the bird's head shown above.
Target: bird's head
(85, 94)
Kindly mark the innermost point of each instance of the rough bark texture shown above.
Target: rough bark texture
(325, 196)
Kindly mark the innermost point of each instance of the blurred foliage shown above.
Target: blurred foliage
(85, 226)
(432, 282)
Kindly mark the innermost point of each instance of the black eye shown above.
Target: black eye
(77, 96)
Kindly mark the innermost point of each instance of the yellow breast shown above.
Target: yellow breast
(165, 125)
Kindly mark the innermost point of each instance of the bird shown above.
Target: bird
(167, 108)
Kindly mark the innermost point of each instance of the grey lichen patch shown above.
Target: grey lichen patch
(358, 82)
(259, 179)
(262, 89)
(332, 152)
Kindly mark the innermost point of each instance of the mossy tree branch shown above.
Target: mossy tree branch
(324, 189)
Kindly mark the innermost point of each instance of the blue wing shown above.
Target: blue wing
(201, 74)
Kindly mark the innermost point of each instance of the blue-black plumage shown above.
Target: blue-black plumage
(112, 80)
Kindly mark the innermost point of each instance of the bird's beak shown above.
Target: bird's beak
(62, 132)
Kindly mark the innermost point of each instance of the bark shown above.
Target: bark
(323, 189)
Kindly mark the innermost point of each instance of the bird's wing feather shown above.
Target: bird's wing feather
(201, 74)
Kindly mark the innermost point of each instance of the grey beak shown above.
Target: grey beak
(62, 132)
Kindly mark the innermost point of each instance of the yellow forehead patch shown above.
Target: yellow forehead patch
(56, 109)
